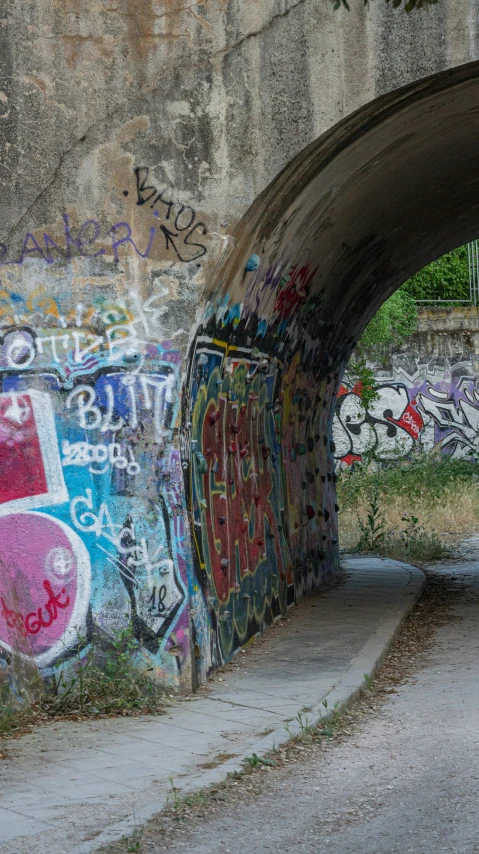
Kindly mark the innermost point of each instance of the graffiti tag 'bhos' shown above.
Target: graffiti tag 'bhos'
(443, 416)
(177, 231)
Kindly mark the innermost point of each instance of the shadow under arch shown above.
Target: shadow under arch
(384, 192)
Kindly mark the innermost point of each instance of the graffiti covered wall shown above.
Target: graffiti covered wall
(430, 405)
(259, 449)
(174, 319)
(94, 539)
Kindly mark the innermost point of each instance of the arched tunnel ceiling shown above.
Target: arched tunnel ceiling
(385, 192)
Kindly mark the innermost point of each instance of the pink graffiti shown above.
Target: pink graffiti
(21, 461)
(42, 571)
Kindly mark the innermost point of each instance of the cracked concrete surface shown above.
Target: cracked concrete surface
(68, 783)
(250, 73)
(405, 781)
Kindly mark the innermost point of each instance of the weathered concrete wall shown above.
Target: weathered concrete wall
(428, 394)
(165, 413)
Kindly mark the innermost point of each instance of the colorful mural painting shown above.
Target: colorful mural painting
(258, 445)
(442, 416)
(92, 528)
(193, 530)
(193, 526)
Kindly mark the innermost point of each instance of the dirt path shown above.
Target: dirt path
(401, 776)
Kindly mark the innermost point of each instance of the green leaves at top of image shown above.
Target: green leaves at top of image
(412, 4)
(409, 5)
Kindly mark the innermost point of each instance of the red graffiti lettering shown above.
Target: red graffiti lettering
(40, 619)
(237, 489)
(13, 619)
(293, 291)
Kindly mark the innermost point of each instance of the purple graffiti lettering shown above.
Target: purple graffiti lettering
(69, 239)
(86, 239)
(115, 243)
(51, 246)
(26, 250)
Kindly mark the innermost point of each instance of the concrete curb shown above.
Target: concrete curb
(341, 695)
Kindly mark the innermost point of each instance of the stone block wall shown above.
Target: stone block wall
(428, 395)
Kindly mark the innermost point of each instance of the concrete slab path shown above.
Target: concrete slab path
(70, 787)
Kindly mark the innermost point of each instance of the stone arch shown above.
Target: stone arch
(384, 192)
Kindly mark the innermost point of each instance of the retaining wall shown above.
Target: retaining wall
(428, 394)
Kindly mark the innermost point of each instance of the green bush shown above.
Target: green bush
(444, 279)
(424, 474)
(394, 321)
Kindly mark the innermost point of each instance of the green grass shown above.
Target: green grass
(425, 475)
(410, 509)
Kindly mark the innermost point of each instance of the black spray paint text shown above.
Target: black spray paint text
(183, 227)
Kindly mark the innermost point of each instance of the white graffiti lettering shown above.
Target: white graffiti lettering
(137, 550)
(20, 352)
(89, 414)
(461, 421)
(388, 429)
(110, 456)
(147, 392)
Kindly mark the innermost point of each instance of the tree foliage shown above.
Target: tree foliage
(394, 321)
(409, 5)
(444, 279)
(358, 375)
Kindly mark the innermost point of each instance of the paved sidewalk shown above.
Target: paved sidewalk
(70, 787)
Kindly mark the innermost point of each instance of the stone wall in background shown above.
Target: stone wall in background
(428, 395)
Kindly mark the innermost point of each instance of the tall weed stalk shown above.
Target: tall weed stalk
(404, 510)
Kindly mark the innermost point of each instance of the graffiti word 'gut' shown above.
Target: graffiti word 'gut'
(36, 620)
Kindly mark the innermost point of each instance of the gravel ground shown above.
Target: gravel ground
(400, 773)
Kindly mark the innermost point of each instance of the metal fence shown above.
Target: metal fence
(473, 260)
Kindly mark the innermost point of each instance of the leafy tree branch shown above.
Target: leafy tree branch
(409, 5)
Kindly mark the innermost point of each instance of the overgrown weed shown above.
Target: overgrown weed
(99, 680)
(403, 510)
(178, 800)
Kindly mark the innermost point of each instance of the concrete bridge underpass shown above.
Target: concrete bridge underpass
(382, 194)
(176, 319)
